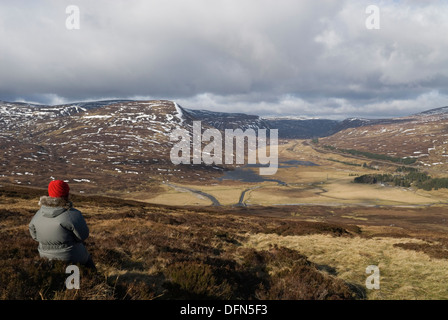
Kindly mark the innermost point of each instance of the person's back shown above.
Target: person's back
(59, 228)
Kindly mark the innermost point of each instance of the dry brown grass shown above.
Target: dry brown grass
(145, 251)
(405, 274)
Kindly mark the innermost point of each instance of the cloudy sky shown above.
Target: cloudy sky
(284, 57)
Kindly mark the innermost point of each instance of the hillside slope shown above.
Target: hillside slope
(101, 147)
(144, 251)
(423, 137)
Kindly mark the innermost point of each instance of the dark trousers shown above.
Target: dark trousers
(90, 264)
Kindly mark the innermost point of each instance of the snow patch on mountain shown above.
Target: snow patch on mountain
(179, 113)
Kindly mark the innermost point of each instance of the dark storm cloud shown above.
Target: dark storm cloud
(264, 57)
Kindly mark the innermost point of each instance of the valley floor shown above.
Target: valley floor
(328, 181)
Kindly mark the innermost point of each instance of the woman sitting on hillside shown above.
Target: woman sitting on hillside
(59, 228)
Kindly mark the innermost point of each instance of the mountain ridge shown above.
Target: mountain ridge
(290, 127)
(123, 144)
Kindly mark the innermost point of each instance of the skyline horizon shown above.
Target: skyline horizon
(261, 116)
(322, 59)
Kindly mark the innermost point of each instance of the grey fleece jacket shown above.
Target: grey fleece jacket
(60, 230)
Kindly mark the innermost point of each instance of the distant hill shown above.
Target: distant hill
(303, 128)
(443, 111)
(104, 146)
(421, 136)
(224, 120)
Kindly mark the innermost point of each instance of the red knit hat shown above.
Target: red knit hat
(58, 189)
